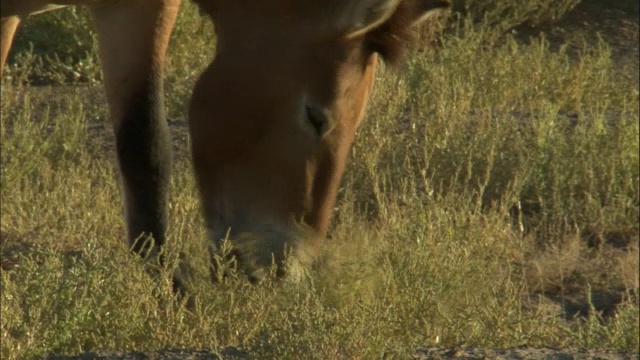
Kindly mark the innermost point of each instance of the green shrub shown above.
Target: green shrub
(55, 47)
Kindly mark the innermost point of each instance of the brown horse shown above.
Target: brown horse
(272, 119)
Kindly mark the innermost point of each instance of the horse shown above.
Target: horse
(271, 119)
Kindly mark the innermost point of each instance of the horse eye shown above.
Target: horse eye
(317, 119)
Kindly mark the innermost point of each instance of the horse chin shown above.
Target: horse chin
(275, 251)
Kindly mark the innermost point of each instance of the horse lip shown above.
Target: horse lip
(259, 245)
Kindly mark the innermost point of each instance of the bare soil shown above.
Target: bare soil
(420, 354)
(615, 22)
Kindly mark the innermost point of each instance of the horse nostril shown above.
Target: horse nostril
(317, 119)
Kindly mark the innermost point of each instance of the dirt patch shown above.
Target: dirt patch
(521, 353)
(615, 22)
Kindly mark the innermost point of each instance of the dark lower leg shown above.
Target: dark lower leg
(144, 154)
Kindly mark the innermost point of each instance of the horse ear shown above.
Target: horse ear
(427, 9)
(359, 16)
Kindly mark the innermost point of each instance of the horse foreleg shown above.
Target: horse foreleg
(133, 37)
(8, 26)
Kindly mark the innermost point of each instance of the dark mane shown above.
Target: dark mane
(392, 38)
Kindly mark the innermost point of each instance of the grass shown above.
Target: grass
(496, 188)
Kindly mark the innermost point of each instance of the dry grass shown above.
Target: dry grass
(490, 199)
